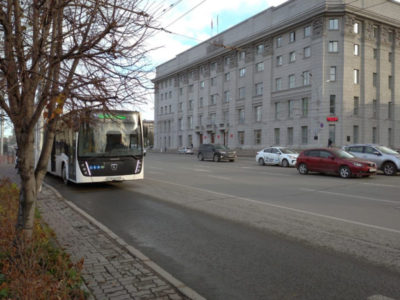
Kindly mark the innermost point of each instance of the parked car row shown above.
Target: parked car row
(361, 160)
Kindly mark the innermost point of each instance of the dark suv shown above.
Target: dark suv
(215, 152)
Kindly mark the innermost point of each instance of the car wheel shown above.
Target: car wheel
(261, 162)
(344, 172)
(64, 175)
(231, 160)
(389, 168)
(200, 157)
(303, 169)
(216, 158)
(285, 163)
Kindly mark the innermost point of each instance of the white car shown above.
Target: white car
(185, 150)
(281, 156)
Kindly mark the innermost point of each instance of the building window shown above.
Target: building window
(375, 53)
(390, 56)
(242, 92)
(242, 72)
(278, 84)
(202, 84)
(277, 136)
(213, 81)
(276, 110)
(180, 91)
(355, 134)
(332, 105)
(292, 36)
(304, 107)
(227, 61)
(375, 32)
(169, 94)
(390, 110)
(170, 109)
(333, 46)
(307, 31)
(180, 106)
(390, 137)
(390, 82)
(290, 136)
(306, 78)
(292, 56)
(279, 60)
(190, 122)
(292, 81)
(374, 79)
(356, 76)
(200, 120)
(356, 106)
(241, 115)
(304, 135)
(241, 137)
(260, 67)
(258, 113)
(190, 88)
(391, 36)
(257, 137)
(162, 110)
(332, 73)
(226, 116)
(227, 96)
(213, 99)
(260, 49)
(374, 135)
(307, 52)
(278, 42)
(374, 108)
(356, 49)
(213, 117)
(190, 104)
(334, 24)
(213, 66)
(290, 109)
(201, 102)
(242, 55)
(356, 27)
(179, 124)
(259, 89)
(227, 76)
(332, 133)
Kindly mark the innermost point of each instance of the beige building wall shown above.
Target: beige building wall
(201, 96)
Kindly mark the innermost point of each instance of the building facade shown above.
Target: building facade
(294, 75)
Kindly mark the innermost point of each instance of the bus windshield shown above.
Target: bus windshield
(110, 138)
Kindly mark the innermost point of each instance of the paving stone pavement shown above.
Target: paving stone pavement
(112, 269)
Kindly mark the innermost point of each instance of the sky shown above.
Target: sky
(190, 22)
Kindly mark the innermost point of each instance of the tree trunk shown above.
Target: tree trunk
(28, 193)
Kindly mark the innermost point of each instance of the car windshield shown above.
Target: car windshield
(343, 154)
(287, 151)
(386, 150)
(221, 147)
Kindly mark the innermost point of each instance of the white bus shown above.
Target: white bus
(104, 147)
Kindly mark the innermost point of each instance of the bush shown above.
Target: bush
(36, 268)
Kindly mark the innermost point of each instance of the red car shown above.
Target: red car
(333, 161)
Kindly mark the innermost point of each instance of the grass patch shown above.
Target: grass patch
(36, 268)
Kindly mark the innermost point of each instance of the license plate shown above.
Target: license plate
(372, 169)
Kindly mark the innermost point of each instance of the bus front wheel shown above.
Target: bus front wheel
(64, 175)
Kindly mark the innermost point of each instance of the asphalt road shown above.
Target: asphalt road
(242, 231)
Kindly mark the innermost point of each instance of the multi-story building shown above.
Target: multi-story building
(296, 75)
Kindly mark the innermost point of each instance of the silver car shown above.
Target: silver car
(386, 159)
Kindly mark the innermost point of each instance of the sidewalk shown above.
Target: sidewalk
(112, 269)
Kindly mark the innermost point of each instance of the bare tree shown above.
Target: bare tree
(64, 55)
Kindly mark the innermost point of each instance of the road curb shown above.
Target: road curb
(179, 285)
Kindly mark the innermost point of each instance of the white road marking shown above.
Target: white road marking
(286, 208)
(381, 184)
(220, 177)
(379, 297)
(350, 196)
(200, 170)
